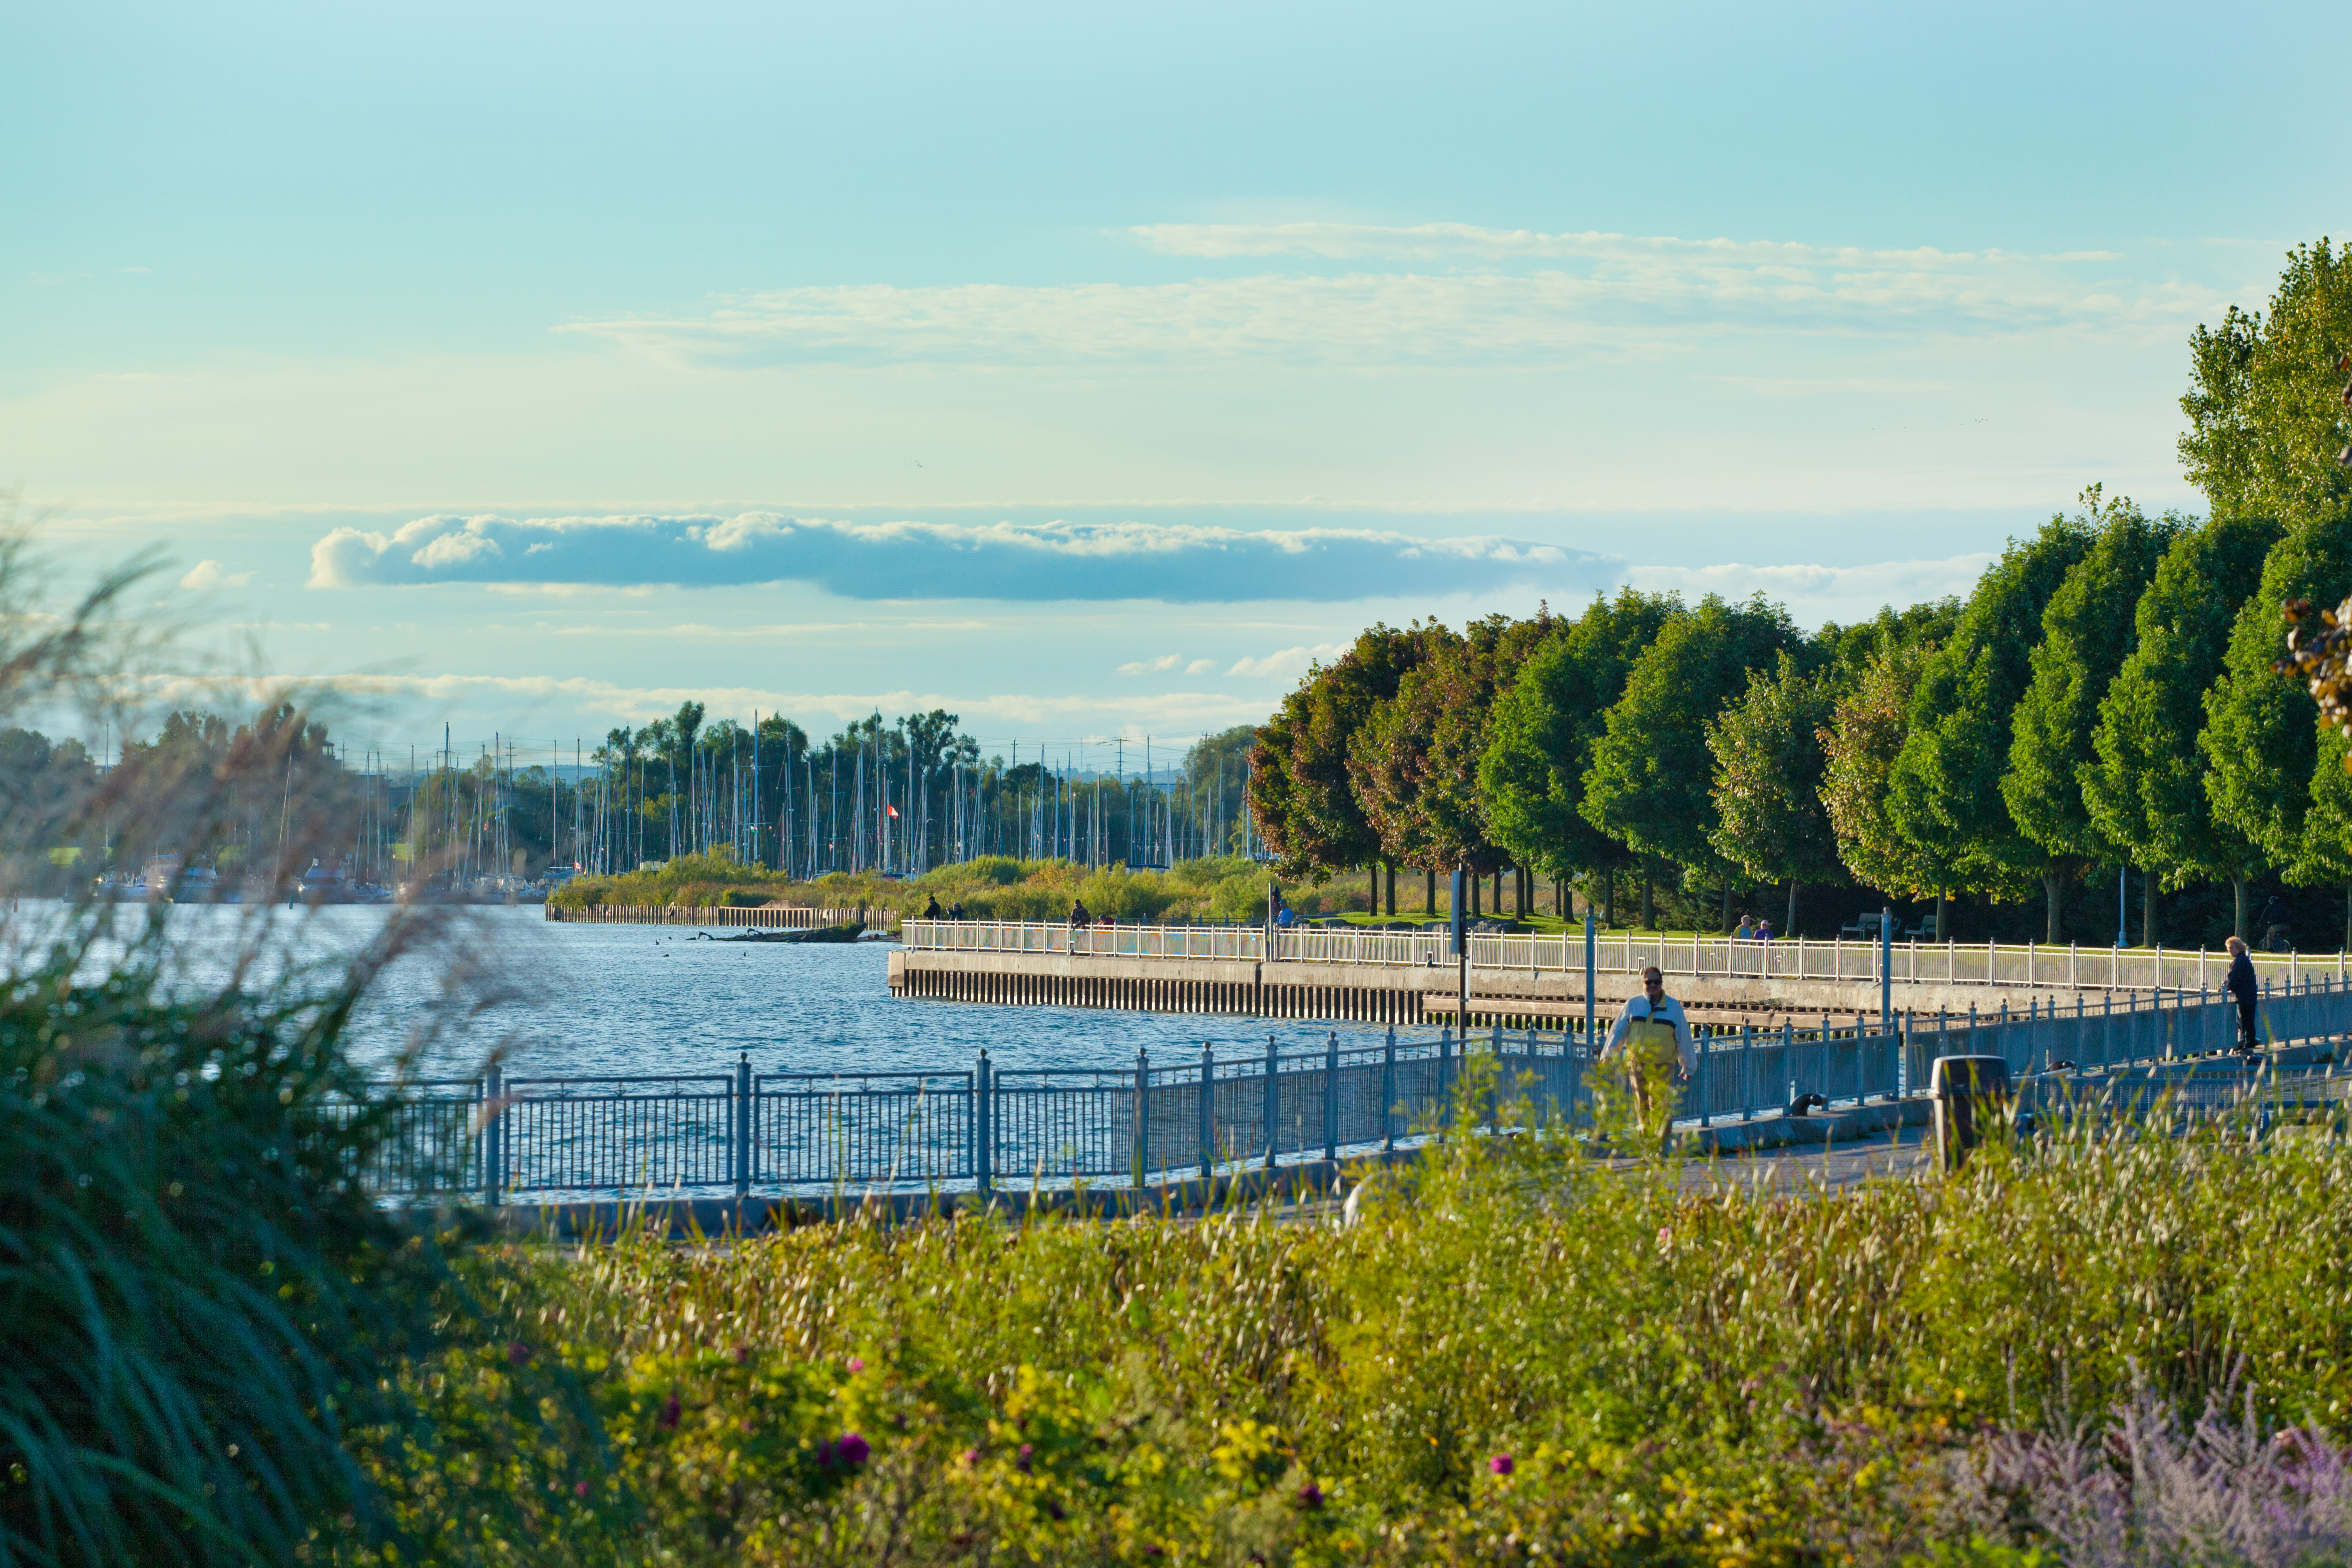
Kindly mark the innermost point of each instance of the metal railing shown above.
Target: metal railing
(771, 917)
(2026, 965)
(987, 1127)
(2029, 964)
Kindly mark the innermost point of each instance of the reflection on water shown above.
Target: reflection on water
(651, 999)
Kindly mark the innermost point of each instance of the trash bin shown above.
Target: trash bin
(1970, 1093)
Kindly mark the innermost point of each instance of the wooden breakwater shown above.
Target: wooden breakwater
(770, 916)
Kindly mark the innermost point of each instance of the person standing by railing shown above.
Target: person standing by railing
(1651, 1043)
(2243, 986)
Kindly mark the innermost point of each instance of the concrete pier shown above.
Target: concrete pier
(1404, 994)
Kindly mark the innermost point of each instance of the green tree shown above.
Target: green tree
(2088, 629)
(1415, 764)
(2261, 732)
(1945, 786)
(1650, 783)
(1542, 731)
(2145, 788)
(1769, 767)
(2265, 419)
(1301, 794)
(1864, 739)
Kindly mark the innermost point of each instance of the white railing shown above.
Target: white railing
(1243, 942)
(1317, 945)
(1931, 964)
(1626, 952)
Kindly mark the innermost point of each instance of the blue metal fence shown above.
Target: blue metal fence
(990, 1127)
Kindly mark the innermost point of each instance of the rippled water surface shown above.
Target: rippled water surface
(652, 999)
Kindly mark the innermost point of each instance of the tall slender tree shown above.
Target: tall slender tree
(2265, 422)
(2144, 786)
(2260, 737)
(1543, 729)
(1859, 747)
(1944, 787)
(1769, 764)
(2088, 629)
(1650, 783)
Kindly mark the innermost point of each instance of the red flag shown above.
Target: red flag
(893, 810)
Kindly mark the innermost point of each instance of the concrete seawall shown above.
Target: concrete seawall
(1404, 994)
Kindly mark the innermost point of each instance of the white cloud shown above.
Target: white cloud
(1200, 667)
(1483, 303)
(1289, 664)
(206, 574)
(1161, 665)
(914, 559)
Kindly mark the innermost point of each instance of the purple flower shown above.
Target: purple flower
(580, 1489)
(1500, 1464)
(1311, 1496)
(849, 1450)
(856, 1366)
(669, 1411)
(1022, 1462)
(517, 1352)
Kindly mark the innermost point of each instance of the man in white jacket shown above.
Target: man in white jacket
(1651, 1042)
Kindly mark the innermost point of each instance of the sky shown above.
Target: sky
(1090, 371)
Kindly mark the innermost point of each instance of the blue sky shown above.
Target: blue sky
(1087, 370)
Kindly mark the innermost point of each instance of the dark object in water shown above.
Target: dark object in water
(822, 934)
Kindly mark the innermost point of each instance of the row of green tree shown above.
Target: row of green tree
(2105, 697)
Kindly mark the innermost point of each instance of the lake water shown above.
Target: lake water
(641, 1000)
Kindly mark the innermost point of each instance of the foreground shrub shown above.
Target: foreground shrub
(1514, 1357)
(199, 1294)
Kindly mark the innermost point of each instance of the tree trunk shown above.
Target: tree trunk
(1789, 929)
(2147, 908)
(1376, 886)
(1725, 924)
(2052, 888)
(1391, 889)
(1473, 883)
(1429, 892)
(1943, 922)
(1649, 906)
(2240, 888)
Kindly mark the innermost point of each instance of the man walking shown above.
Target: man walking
(2243, 986)
(1651, 1042)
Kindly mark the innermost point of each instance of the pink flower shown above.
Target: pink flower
(1022, 1462)
(1311, 1496)
(580, 1489)
(1500, 1464)
(970, 1457)
(856, 1366)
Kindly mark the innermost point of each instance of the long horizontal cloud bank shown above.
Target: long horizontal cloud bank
(1437, 294)
(1175, 564)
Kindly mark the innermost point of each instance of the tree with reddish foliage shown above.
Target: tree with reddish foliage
(1415, 764)
(1299, 789)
